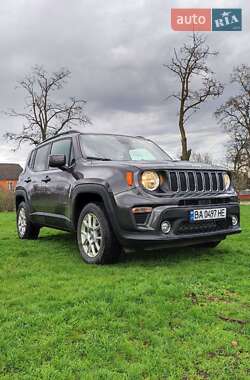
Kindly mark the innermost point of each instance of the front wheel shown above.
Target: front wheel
(96, 240)
(25, 228)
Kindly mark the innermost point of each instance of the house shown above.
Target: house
(245, 195)
(9, 174)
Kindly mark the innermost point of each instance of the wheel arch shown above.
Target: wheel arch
(20, 197)
(88, 193)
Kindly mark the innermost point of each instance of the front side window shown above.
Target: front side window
(31, 159)
(41, 160)
(121, 148)
(62, 147)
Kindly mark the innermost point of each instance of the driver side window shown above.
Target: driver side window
(41, 158)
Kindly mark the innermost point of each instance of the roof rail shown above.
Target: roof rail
(141, 137)
(60, 134)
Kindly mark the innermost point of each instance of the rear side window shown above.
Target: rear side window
(62, 147)
(41, 160)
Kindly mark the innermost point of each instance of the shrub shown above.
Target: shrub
(7, 201)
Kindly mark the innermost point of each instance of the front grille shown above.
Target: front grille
(183, 181)
(186, 228)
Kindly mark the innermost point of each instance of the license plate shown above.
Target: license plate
(207, 214)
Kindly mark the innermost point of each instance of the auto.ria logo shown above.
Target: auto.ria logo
(206, 19)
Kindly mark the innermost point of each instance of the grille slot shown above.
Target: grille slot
(206, 201)
(199, 181)
(221, 184)
(214, 181)
(183, 181)
(141, 218)
(191, 181)
(186, 228)
(173, 181)
(195, 181)
(207, 181)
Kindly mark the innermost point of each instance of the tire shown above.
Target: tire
(25, 228)
(96, 240)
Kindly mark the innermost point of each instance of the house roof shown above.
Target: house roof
(10, 171)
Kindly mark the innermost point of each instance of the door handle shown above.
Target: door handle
(27, 180)
(46, 179)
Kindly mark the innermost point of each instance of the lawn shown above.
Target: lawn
(181, 314)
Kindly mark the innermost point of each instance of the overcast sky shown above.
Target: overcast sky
(115, 50)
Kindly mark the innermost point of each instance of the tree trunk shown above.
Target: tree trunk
(185, 153)
(44, 134)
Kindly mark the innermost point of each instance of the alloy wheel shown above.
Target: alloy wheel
(22, 222)
(91, 235)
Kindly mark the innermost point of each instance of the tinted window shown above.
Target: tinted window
(62, 147)
(41, 160)
(31, 160)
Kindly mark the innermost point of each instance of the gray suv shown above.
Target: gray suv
(120, 191)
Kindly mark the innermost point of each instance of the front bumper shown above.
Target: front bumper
(183, 233)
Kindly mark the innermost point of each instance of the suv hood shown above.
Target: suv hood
(185, 165)
(175, 165)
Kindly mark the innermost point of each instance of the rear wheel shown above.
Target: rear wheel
(25, 228)
(96, 240)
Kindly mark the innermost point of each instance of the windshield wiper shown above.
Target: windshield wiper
(98, 158)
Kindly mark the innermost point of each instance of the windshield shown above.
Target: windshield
(121, 148)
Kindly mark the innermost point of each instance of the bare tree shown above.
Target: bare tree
(204, 158)
(43, 116)
(189, 64)
(238, 151)
(234, 116)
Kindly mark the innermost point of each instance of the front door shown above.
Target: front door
(59, 185)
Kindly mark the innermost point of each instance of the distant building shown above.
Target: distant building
(245, 195)
(9, 174)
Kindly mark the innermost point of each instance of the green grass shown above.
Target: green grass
(155, 315)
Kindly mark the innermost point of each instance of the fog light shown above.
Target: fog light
(234, 220)
(166, 227)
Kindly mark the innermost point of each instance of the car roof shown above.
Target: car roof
(74, 132)
(111, 134)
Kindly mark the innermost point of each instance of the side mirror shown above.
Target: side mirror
(57, 160)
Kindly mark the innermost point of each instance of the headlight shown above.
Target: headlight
(150, 180)
(227, 181)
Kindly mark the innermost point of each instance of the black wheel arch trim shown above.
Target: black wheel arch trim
(101, 189)
(21, 192)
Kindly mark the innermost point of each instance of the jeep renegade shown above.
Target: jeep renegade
(120, 191)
